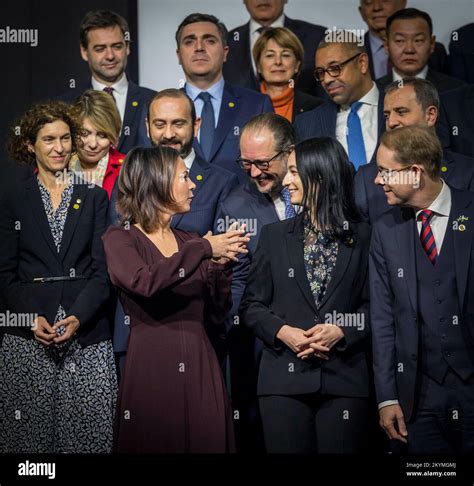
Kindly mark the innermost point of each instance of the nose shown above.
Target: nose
(91, 141)
(169, 132)
(278, 59)
(379, 179)
(286, 180)
(192, 186)
(109, 53)
(58, 146)
(409, 46)
(392, 121)
(377, 5)
(255, 171)
(199, 45)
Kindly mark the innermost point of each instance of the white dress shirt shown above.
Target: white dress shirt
(279, 206)
(422, 74)
(441, 208)
(188, 161)
(254, 35)
(120, 92)
(369, 120)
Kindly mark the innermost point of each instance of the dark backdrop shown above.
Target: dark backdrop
(32, 74)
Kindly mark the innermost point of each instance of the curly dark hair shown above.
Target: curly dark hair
(26, 128)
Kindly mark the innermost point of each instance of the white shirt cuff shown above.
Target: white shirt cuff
(386, 403)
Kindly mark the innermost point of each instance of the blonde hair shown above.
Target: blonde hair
(284, 38)
(100, 108)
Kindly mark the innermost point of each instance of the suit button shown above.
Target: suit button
(447, 353)
(437, 282)
(414, 357)
(443, 336)
(439, 301)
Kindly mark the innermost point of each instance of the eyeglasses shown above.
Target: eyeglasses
(334, 70)
(260, 164)
(387, 174)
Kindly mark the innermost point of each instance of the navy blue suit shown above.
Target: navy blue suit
(410, 315)
(461, 53)
(238, 68)
(321, 122)
(456, 169)
(238, 106)
(456, 123)
(213, 184)
(133, 132)
(441, 81)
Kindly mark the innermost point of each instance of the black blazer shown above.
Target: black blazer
(278, 292)
(441, 81)
(238, 68)
(456, 169)
(133, 132)
(456, 122)
(461, 53)
(27, 251)
(304, 102)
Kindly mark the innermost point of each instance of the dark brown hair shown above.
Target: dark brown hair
(177, 94)
(415, 145)
(145, 186)
(26, 128)
(102, 19)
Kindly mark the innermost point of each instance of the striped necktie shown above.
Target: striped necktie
(355, 139)
(289, 209)
(426, 236)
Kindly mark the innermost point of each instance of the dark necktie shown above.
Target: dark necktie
(208, 125)
(289, 209)
(355, 140)
(110, 91)
(427, 237)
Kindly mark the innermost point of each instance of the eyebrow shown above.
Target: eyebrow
(205, 36)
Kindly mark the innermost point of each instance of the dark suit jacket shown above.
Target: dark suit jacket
(249, 206)
(238, 68)
(238, 106)
(456, 124)
(321, 122)
(461, 53)
(441, 81)
(438, 60)
(27, 251)
(304, 102)
(213, 184)
(394, 306)
(136, 109)
(274, 296)
(456, 169)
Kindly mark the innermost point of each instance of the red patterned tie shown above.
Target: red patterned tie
(110, 91)
(427, 237)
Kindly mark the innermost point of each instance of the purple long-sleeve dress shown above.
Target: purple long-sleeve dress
(172, 395)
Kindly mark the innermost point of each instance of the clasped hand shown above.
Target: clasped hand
(316, 341)
(47, 335)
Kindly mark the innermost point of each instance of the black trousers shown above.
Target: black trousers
(314, 423)
(444, 419)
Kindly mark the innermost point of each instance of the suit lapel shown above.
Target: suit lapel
(344, 254)
(295, 249)
(461, 206)
(263, 208)
(78, 197)
(381, 117)
(131, 109)
(230, 106)
(35, 202)
(328, 119)
(404, 228)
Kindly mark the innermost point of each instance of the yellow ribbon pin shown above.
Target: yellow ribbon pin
(231, 104)
(199, 177)
(444, 169)
(134, 103)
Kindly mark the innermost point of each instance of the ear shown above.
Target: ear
(84, 54)
(147, 127)
(30, 148)
(226, 53)
(432, 44)
(431, 115)
(385, 45)
(179, 57)
(197, 126)
(364, 63)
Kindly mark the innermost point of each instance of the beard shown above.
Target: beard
(183, 146)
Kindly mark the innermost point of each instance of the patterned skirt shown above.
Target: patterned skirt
(56, 406)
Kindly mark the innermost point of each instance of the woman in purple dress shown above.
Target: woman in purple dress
(171, 283)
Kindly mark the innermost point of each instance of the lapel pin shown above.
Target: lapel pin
(78, 201)
(76, 206)
(199, 177)
(134, 103)
(120, 161)
(231, 104)
(444, 168)
(462, 227)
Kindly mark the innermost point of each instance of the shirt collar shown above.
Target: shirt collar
(370, 98)
(120, 86)
(216, 90)
(442, 204)
(422, 74)
(188, 161)
(254, 25)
